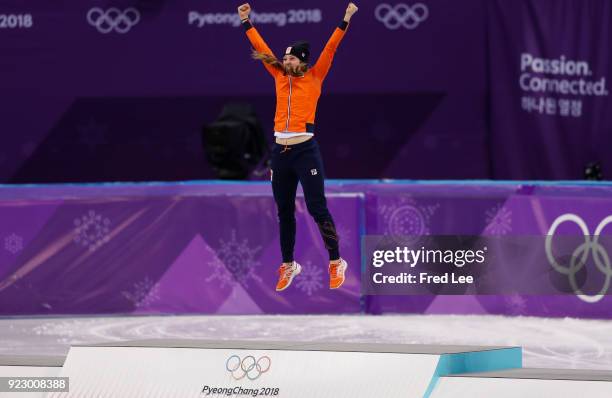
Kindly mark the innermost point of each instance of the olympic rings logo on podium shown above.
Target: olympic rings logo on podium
(394, 17)
(581, 254)
(113, 19)
(249, 366)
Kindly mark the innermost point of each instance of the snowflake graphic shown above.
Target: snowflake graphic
(91, 230)
(235, 262)
(310, 279)
(13, 243)
(92, 134)
(516, 304)
(404, 218)
(498, 220)
(143, 293)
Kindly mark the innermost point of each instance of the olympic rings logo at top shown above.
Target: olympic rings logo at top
(580, 255)
(394, 17)
(248, 367)
(113, 19)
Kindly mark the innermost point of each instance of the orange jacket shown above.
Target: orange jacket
(297, 97)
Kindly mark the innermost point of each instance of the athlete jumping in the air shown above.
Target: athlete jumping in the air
(296, 155)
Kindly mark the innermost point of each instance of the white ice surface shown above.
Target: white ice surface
(546, 342)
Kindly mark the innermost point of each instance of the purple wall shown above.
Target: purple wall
(425, 91)
(213, 248)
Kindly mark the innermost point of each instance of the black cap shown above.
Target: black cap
(300, 49)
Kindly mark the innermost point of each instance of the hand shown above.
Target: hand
(244, 11)
(350, 10)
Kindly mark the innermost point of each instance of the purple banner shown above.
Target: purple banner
(164, 253)
(481, 208)
(122, 88)
(550, 67)
(213, 247)
(433, 89)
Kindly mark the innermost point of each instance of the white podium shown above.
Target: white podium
(527, 383)
(164, 368)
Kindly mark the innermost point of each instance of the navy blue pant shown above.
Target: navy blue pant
(290, 164)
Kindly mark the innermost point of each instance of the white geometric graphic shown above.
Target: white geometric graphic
(310, 279)
(405, 219)
(113, 19)
(580, 255)
(394, 17)
(143, 293)
(13, 243)
(235, 262)
(91, 230)
(498, 220)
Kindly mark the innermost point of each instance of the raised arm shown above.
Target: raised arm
(255, 38)
(324, 62)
